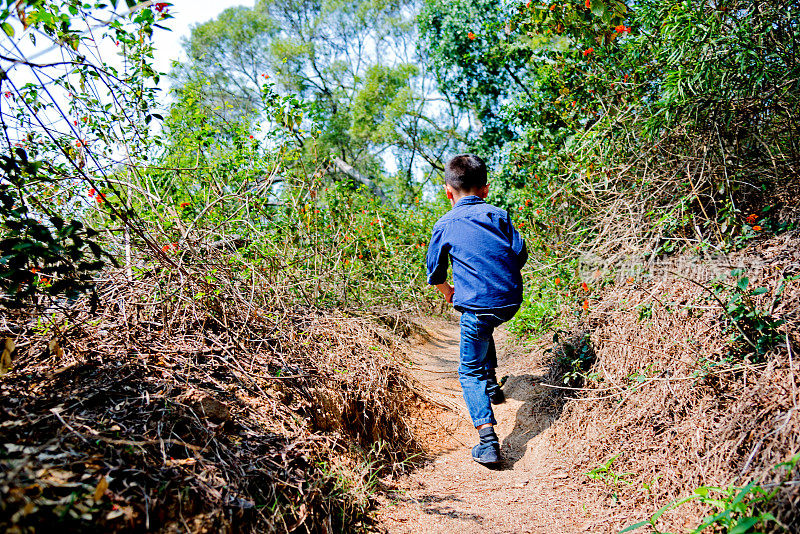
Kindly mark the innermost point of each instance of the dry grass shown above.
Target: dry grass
(171, 404)
(669, 401)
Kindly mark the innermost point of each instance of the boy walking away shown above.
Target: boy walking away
(487, 254)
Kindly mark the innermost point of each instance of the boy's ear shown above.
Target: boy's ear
(448, 191)
(483, 192)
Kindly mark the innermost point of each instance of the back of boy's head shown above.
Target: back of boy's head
(465, 172)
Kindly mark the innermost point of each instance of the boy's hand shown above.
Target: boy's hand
(447, 290)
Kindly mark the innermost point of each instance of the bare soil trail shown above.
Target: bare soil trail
(530, 492)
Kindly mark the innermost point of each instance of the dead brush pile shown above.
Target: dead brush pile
(678, 399)
(168, 405)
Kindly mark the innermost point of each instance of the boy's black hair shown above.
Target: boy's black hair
(465, 172)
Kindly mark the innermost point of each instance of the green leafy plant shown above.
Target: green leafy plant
(740, 509)
(54, 258)
(755, 331)
(645, 311)
(612, 479)
(65, 124)
(573, 356)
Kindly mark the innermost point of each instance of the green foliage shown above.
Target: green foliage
(53, 259)
(63, 122)
(755, 330)
(612, 479)
(462, 39)
(552, 285)
(541, 307)
(641, 120)
(384, 99)
(741, 510)
(248, 188)
(573, 356)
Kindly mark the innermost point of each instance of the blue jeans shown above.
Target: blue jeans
(479, 360)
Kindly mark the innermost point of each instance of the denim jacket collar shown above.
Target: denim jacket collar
(469, 200)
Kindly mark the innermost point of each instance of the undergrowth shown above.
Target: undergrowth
(738, 510)
(701, 360)
(197, 409)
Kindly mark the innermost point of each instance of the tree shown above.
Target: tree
(380, 114)
(464, 40)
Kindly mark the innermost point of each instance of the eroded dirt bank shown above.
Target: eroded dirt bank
(696, 384)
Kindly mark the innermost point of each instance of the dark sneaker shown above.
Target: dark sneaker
(486, 453)
(497, 396)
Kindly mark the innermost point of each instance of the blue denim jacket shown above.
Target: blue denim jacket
(487, 254)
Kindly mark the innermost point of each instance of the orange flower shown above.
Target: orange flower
(92, 192)
(588, 4)
(360, 256)
(585, 305)
(630, 279)
(521, 225)
(557, 280)
(165, 248)
(752, 218)
(175, 246)
(185, 204)
(757, 228)
(471, 36)
(584, 286)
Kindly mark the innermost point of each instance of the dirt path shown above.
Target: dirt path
(453, 494)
